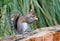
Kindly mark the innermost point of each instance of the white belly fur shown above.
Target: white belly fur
(25, 25)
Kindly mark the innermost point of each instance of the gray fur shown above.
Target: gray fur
(20, 27)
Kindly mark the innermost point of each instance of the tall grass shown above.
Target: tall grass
(47, 11)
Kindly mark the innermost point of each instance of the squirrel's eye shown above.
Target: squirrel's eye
(33, 16)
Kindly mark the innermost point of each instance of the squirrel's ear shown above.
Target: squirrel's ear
(30, 12)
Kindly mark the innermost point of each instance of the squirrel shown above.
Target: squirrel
(20, 23)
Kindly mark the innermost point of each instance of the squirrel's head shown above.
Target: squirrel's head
(31, 17)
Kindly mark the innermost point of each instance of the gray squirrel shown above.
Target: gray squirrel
(20, 23)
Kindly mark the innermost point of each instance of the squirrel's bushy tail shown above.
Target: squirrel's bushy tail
(13, 20)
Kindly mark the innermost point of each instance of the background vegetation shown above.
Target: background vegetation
(48, 13)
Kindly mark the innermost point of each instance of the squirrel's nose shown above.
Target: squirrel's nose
(36, 18)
